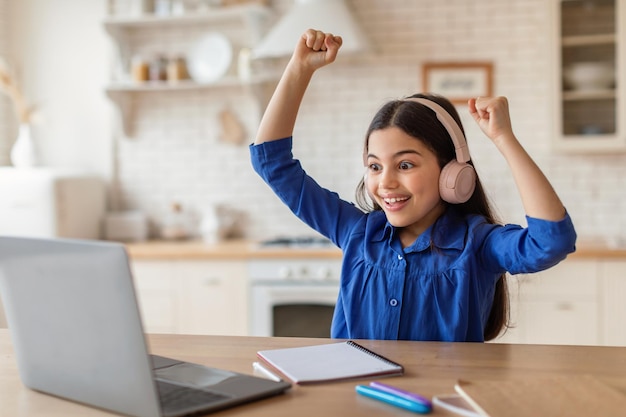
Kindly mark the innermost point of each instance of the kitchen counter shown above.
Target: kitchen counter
(598, 249)
(226, 250)
(583, 290)
(247, 249)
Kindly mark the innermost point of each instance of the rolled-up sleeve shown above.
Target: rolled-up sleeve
(539, 246)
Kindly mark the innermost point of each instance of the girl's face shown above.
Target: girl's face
(403, 178)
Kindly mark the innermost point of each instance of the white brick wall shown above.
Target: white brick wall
(176, 154)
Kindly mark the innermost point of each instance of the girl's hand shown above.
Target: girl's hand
(316, 49)
(492, 115)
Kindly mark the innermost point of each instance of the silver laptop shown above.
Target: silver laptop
(77, 333)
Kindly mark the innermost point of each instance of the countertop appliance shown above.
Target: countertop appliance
(47, 202)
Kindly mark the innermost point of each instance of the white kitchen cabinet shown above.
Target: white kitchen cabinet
(157, 294)
(161, 32)
(589, 117)
(558, 306)
(613, 284)
(192, 297)
(214, 298)
(579, 301)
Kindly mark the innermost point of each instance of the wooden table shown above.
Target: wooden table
(431, 368)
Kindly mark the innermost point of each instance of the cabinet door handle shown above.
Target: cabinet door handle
(564, 306)
(211, 281)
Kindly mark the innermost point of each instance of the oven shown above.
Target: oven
(293, 297)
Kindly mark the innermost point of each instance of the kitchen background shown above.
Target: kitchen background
(175, 150)
(154, 146)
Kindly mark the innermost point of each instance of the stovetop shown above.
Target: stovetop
(297, 242)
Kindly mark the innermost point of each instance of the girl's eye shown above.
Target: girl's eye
(374, 167)
(406, 165)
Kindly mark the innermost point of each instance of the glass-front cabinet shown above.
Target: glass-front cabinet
(589, 75)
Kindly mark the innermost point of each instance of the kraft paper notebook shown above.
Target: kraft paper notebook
(567, 395)
(329, 362)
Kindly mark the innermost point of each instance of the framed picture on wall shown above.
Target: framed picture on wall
(458, 81)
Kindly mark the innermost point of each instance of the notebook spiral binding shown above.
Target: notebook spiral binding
(374, 354)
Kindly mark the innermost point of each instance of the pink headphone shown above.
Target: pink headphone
(458, 178)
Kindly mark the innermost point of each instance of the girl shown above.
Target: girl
(427, 260)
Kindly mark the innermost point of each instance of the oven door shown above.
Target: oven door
(292, 310)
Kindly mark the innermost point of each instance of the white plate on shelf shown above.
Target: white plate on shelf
(209, 58)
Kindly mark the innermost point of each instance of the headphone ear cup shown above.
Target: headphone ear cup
(457, 182)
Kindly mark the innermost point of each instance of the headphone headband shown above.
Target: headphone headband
(455, 132)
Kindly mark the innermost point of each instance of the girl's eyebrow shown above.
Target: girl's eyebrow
(399, 153)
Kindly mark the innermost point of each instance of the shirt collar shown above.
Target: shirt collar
(448, 232)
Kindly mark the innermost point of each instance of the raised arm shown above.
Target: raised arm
(314, 50)
(538, 197)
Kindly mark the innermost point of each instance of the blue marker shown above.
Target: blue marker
(411, 396)
(392, 399)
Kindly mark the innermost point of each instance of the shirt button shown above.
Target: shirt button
(393, 302)
(399, 257)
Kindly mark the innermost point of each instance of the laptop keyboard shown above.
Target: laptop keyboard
(175, 397)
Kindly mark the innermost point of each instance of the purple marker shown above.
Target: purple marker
(411, 396)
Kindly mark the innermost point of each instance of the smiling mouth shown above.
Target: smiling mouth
(394, 200)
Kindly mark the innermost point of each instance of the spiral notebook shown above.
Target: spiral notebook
(329, 362)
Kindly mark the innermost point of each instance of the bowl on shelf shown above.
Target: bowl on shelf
(209, 58)
(589, 75)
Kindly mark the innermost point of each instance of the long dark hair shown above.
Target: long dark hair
(421, 122)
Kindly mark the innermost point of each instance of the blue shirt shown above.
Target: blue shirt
(439, 288)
